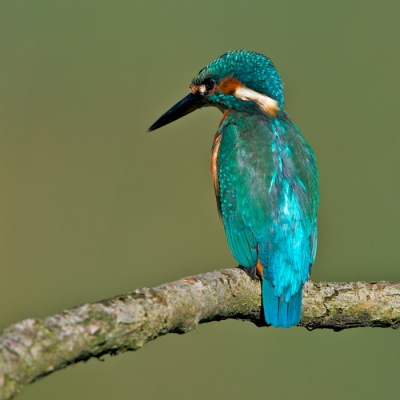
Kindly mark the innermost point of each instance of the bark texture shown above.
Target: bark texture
(36, 347)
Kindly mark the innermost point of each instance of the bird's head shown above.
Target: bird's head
(241, 80)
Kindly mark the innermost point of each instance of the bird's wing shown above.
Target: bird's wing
(313, 243)
(269, 196)
(241, 239)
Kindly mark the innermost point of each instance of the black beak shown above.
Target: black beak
(187, 105)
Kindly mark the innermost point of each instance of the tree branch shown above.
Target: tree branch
(36, 347)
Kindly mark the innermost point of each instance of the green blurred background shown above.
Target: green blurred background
(92, 206)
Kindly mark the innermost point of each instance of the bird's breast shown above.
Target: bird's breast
(214, 159)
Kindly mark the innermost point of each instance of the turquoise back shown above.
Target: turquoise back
(269, 197)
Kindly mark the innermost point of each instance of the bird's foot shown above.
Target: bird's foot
(251, 272)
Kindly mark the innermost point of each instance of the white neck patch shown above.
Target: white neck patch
(268, 105)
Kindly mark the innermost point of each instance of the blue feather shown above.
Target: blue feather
(269, 207)
(279, 312)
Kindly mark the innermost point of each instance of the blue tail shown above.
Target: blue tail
(277, 311)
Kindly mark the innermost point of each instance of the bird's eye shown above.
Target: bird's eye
(209, 83)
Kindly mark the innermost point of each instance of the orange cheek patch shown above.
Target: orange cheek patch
(229, 85)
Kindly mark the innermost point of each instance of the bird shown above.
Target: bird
(264, 174)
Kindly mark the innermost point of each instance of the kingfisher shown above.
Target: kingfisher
(265, 177)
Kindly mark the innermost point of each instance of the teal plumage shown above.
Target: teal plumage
(265, 175)
(269, 195)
